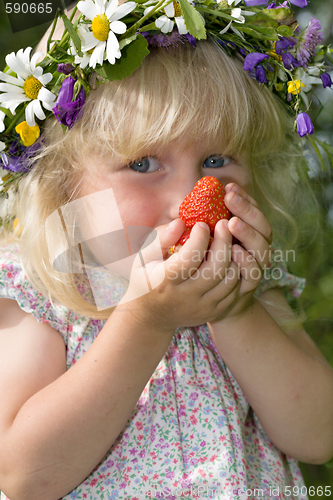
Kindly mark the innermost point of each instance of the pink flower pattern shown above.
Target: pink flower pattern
(192, 425)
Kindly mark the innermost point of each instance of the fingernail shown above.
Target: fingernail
(235, 199)
(239, 224)
(231, 188)
(221, 225)
(203, 224)
(171, 225)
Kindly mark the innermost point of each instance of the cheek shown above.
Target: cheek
(239, 175)
(138, 207)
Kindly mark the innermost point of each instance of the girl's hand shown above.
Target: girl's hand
(251, 228)
(186, 289)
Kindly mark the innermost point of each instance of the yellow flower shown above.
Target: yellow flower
(294, 87)
(274, 54)
(28, 134)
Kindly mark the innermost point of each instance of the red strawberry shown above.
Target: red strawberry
(203, 204)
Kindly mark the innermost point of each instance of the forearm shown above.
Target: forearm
(68, 426)
(289, 389)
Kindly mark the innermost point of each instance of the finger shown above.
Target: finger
(169, 234)
(249, 213)
(159, 240)
(250, 271)
(223, 292)
(253, 242)
(233, 187)
(184, 263)
(218, 257)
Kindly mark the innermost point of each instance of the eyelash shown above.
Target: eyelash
(146, 160)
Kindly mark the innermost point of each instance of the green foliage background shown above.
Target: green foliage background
(315, 260)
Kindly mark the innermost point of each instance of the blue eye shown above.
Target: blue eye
(217, 161)
(146, 164)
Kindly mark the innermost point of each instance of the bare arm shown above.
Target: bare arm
(285, 378)
(66, 420)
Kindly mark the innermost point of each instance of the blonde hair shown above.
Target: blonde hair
(200, 92)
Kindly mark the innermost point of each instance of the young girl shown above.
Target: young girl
(189, 388)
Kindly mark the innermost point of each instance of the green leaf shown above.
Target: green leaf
(6, 111)
(282, 15)
(72, 33)
(327, 147)
(317, 150)
(126, 41)
(260, 33)
(262, 19)
(193, 21)
(149, 27)
(215, 12)
(285, 31)
(132, 56)
(329, 54)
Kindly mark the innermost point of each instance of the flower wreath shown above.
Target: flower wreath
(112, 40)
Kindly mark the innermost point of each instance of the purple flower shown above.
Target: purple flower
(285, 4)
(284, 44)
(19, 158)
(326, 79)
(13, 163)
(253, 3)
(16, 149)
(66, 110)
(16, 162)
(65, 68)
(299, 3)
(166, 40)
(252, 59)
(304, 124)
(289, 61)
(191, 39)
(308, 41)
(261, 74)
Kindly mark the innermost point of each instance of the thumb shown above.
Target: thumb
(159, 241)
(147, 271)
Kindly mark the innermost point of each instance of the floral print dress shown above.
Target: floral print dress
(192, 434)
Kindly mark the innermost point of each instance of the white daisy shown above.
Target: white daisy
(28, 85)
(237, 15)
(308, 78)
(2, 121)
(83, 61)
(105, 17)
(173, 14)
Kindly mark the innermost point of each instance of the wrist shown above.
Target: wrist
(242, 308)
(136, 315)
